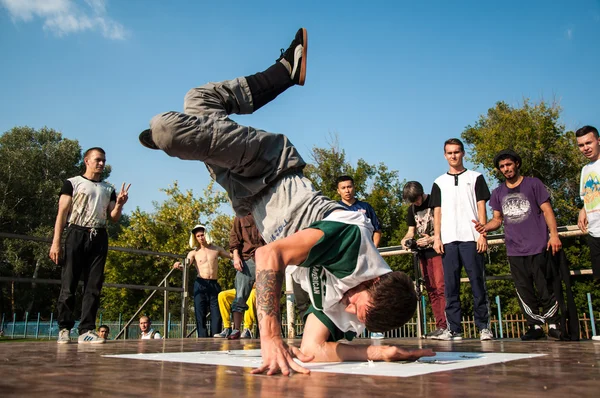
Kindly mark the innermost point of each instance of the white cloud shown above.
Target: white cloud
(63, 17)
(569, 34)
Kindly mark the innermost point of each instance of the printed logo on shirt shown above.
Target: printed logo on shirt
(317, 277)
(515, 208)
(591, 191)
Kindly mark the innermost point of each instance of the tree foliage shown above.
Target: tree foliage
(34, 164)
(166, 230)
(548, 151)
(375, 184)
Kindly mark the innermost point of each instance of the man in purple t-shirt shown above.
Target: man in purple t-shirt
(523, 203)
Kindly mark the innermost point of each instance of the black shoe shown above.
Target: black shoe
(533, 334)
(555, 333)
(146, 139)
(295, 57)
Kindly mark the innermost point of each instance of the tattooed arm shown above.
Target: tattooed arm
(271, 261)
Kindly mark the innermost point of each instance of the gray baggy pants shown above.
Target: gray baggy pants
(261, 171)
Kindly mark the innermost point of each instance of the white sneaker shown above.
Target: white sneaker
(377, 336)
(448, 335)
(596, 338)
(63, 336)
(486, 335)
(90, 337)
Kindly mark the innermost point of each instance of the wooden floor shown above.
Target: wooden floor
(47, 369)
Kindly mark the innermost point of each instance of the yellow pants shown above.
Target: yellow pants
(226, 298)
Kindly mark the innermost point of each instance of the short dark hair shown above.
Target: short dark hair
(394, 302)
(96, 148)
(412, 191)
(105, 327)
(342, 179)
(454, 141)
(585, 130)
(507, 154)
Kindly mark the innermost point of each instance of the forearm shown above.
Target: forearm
(482, 214)
(376, 238)
(437, 222)
(493, 225)
(115, 214)
(550, 221)
(59, 225)
(269, 279)
(342, 352)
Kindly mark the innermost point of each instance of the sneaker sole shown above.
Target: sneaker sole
(142, 139)
(302, 77)
(63, 342)
(90, 342)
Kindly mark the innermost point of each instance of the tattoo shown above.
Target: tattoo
(268, 290)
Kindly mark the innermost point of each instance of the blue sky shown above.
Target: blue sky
(393, 79)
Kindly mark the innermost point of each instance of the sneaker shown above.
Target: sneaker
(486, 335)
(533, 334)
(435, 334)
(224, 334)
(63, 336)
(146, 139)
(294, 58)
(596, 338)
(449, 335)
(90, 337)
(377, 336)
(246, 334)
(235, 335)
(555, 333)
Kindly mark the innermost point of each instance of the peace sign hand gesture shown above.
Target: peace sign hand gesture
(123, 195)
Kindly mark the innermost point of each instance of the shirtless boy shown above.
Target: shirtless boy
(206, 288)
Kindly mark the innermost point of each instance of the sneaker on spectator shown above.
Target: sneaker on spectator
(449, 335)
(533, 334)
(596, 338)
(486, 335)
(246, 334)
(435, 334)
(555, 333)
(63, 336)
(235, 335)
(90, 337)
(224, 334)
(377, 336)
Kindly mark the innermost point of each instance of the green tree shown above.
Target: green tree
(166, 230)
(34, 165)
(548, 151)
(375, 184)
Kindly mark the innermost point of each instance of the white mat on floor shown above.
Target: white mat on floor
(443, 361)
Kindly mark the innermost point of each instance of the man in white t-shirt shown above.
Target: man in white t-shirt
(85, 205)
(458, 197)
(589, 188)
(146, 331)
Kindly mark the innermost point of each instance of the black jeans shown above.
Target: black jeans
(206, 293)
(84, 258)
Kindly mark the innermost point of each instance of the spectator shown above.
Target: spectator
(420, 222)
(458, 197)
(588, 142)
(103, 332)
(226, 298)
(206, 287)
(146, 331)
(523, 204)
(244, 239)
(86, 203)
